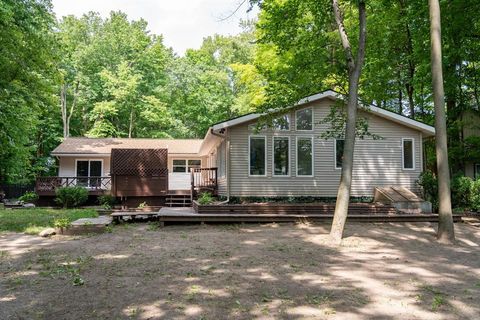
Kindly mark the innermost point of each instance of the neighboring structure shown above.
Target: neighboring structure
(288, 159)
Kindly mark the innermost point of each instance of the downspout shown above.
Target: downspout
(227, 162)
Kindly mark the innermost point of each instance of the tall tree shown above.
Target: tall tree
(354, 64)
(27, 83)
(445, 222)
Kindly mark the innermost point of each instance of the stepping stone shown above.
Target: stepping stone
(87, 225)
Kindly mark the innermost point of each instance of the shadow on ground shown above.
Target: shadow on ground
(287, 271)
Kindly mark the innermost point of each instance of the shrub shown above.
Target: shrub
(205, 198)
(461, 191)
(428, 181)
(29, 196)
(62, 223)
(71, 196)
(107, 201)
(475, 195)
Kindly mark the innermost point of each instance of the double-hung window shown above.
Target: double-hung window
(304, 156)
(304, 119)
(88, 172)
(184, 165)
(281, 163)
(257, 156)
(408, 154)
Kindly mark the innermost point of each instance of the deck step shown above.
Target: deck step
(178, 200)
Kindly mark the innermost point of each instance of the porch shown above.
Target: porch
(46, 186)
(164, 184)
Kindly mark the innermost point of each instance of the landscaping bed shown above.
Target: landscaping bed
(291, 208)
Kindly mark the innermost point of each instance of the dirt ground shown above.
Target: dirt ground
(272, 271)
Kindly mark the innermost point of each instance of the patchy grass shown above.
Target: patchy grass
(32, 221)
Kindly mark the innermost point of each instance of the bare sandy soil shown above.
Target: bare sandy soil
(287, 271)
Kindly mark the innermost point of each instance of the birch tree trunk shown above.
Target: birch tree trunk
(446, 232)
(354, 72)
(66, 113)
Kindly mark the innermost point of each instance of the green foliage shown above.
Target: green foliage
(70, 197)
(142, 205)
(465, 191)
(34, 220)
(29, 196)
(27, 104)
(62, 223)
(461, 191)
(205, 198)
(428, 181)
(475, 195)
(107, 201)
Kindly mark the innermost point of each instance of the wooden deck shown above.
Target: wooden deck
(188, 215)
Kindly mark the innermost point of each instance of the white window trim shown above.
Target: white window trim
(413, 154)
(476, 172)
(273, 157)
(296, 156)
(289, 121)
(335, 153)
(266, 147)
(76, 161)
(296, 119)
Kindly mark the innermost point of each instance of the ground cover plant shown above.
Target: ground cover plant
(32, 221)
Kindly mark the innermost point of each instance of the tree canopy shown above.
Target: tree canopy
(101, 77)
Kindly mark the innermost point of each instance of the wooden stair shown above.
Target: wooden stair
(178, 200)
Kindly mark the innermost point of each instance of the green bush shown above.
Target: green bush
(465, 191)
(70, 197)
(475, 195)
(461, 188)
(428, 181)
(29, 196)
(62, 223)
(107, 201)
(205, 198)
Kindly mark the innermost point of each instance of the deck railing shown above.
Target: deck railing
(48, 185)
(204, 179)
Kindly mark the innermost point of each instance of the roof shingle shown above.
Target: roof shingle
(105, 145)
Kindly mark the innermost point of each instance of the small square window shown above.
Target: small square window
(180, 166)
(194, 164)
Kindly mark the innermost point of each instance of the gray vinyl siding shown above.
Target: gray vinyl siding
(376, 162)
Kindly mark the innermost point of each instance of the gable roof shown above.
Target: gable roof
(104, 146)
(395, 117)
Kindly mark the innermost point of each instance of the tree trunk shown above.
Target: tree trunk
(67, 114)
(130, 126)
(354, 71)
(63, 108)
(445, 221)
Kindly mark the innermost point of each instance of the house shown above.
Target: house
(236, 159)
